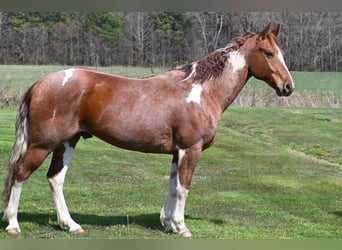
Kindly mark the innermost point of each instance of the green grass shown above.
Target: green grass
(273, 173)
(310, 82)
(23, 76)
(312, 88)
(16, 79)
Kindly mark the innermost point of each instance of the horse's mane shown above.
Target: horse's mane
(212, 65)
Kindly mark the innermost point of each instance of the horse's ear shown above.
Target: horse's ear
(263, 33)
(276, 30)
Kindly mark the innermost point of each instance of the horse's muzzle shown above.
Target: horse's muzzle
(286, 90)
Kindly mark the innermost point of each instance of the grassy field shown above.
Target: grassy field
(23, 76)
(312, 88)
(273, 173)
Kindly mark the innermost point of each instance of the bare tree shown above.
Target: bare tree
(2, 17)
(139, 28)
(311, 40)
(210, 24)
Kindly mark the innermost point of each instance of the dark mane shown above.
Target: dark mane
(212, 65)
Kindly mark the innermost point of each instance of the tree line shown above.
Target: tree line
(312, 40)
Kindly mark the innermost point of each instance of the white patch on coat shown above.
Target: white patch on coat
(237, 61)
(195, 94)
(281, 58)
(68, 75)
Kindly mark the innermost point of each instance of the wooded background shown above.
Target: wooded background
(312, 40)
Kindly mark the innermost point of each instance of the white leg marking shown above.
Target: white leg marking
(67, 156)
(281, 58)
(11, 211)
(56, 184)
(195, 94)
(182, 194)
(178, 215)
(181, 153)
(237, 60)
(167, 209)
(68, 75)
(172, 214)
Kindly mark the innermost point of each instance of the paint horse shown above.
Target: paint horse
(176, 112)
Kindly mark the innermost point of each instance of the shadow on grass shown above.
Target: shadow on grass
(150, 221)
(337, 213)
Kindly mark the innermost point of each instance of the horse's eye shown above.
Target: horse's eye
(269, 54)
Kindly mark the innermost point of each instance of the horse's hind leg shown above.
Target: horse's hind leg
(22, 170)
(60, 163)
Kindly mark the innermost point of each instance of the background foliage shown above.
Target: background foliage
(312, 40)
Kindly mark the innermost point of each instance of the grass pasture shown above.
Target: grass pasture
(315, 89)
(273, 173)
(257, 181)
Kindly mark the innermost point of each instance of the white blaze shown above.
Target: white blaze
(281, 58)
(68, 75)
(195, 94)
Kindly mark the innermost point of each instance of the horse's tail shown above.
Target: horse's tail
(21, 143)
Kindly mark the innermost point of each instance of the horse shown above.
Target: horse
(176, 112)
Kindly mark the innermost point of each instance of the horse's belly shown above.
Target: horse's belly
(140, 138)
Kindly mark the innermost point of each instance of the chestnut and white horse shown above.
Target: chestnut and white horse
(176, 112)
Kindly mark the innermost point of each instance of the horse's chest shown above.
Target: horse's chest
(196, 126)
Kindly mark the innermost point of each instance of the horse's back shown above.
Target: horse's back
(150, 115)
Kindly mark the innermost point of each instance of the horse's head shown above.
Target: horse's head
(266, 61)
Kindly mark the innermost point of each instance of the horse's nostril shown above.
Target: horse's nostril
(288, 87)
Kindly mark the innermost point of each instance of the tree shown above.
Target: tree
(22, 20)
(107, 24)
(210, 24)
(171, 43)
(138, 35)
(311, 40)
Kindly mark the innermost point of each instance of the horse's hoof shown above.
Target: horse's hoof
(186, 234)
(13, 231)
(78, 231)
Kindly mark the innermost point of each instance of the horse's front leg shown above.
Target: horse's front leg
(183, 165)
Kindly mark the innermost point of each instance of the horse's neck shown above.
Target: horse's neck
(228, 86)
